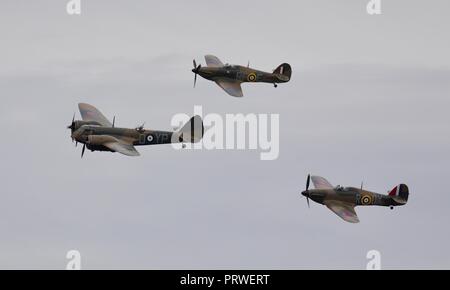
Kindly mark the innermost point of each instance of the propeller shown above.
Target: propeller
(195, 70)
(72, 125)
(72, 128)
(114, 121)
(306, 192)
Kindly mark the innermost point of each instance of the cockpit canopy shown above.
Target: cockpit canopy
(79, 124)
(86, 127)
(227, 65)
(341, 188)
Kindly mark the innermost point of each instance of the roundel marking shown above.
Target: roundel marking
(251, 77)
(366, 199)
(150, 138)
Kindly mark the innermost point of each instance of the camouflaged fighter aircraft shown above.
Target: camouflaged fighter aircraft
(342, 200)
(98, 134)
(230, 77)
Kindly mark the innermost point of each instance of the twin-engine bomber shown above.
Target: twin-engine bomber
(97, 133)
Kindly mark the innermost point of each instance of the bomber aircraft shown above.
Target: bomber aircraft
(342, 200)
(97, 133)
(229, 77)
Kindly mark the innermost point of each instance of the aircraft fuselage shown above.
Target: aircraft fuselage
(91, 136)
(241, 74)
(350, 195)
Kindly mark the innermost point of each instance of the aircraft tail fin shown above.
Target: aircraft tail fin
(284, 69)
(192, 131)
(400, 193)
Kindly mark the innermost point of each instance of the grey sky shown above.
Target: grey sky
(368, 100)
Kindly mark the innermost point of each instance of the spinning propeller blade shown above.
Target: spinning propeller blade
(307, 187)
(72, 125)
(195, 70)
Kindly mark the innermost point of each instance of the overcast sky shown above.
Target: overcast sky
(368, 101)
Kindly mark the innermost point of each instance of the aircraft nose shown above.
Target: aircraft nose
(76, 134)
(305, 193)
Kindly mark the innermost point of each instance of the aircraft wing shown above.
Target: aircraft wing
(90, 113)
(232, 88)
(345, 211)
(321, 183)
(121, 147)
(213, 61)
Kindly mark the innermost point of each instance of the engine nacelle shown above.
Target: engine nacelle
(98, 148)
(78, 124)
(99, 140)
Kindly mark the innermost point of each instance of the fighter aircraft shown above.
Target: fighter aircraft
(342, 200)
(229, 77)
(97, 133)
